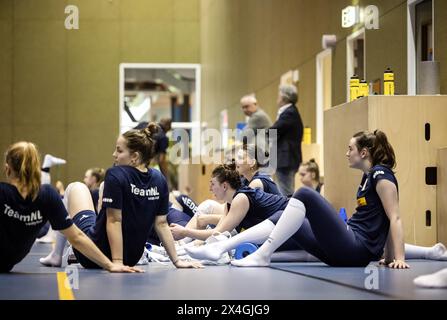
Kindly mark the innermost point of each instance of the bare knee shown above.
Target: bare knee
(76, 187)
(206, 207)
(201, 222)
(78, 198)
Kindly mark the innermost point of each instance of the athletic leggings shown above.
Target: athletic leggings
(178, 217)
(324, 235)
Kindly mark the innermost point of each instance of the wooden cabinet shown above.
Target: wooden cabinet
(441, 195)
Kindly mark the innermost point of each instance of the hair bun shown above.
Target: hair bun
(312, 160)
(151, 129)
(230, 166)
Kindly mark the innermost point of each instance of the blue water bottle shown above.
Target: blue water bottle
(343, 215)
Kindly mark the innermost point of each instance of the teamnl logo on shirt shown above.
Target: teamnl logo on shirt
(151, 193)
(30, 219)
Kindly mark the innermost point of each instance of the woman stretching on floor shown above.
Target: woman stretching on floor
(134, 199)
(245, 207)
(314, 224)
(210, 212)
(310, 177)
(27, 206)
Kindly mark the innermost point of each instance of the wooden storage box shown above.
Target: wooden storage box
(441, 195)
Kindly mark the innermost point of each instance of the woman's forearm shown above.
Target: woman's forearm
(398, 244)
(205, 219)
(167, 240)
(87, 247)
(115, 236)
(199, 234)
(389, 251)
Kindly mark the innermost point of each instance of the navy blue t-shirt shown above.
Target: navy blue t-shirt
(370, 222)
(262, 206)
(188, 205)
(21, 220)
(269, 186)
(141, 196)
(95, 198)
(267, 182)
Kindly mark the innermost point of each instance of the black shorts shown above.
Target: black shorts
(85, 221)
(4, 267)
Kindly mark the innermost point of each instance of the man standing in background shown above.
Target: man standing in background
(289, 130)
(258, 119)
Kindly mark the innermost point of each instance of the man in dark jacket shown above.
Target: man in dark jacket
(289, 130)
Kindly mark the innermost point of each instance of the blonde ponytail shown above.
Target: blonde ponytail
(24, 160)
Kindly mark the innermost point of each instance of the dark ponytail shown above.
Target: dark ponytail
(381, 151)
(142, 141)
(151, 129)
(227, 173)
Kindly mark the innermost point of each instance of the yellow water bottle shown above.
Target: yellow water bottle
(363, 89)
(307, 135)
(388, 82)
(354, 88)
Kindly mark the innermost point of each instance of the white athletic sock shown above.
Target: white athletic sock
(434, 280)
(50, 237)
(54, 259)
(45, 177)
(187, 240)
(256, 234)
(291, 220)
(50, 161)
(437, 252)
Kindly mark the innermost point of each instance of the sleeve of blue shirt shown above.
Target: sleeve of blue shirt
(381, 173)
(113, 194)
(55, 210)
